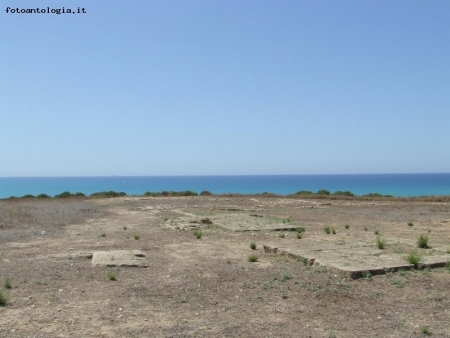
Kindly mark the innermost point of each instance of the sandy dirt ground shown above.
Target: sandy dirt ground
(190, 287)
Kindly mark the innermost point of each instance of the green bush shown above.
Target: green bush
(42, 196)
(413, 258)
(323, 192)
(381, 243)
(108, 194)
(373, 194)
(343, 193)
(198, 234)
(64, 194)
(179, 193)
(151, 193)
(304, 192)
(27, 196)
(112, 275)
(425, 330)
(422, 242)
(79, 194)
(7, 284)
(205, 193)
(252, 258)
(253, 245)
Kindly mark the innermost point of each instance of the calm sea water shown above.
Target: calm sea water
(391, 184)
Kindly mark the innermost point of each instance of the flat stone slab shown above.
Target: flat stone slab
(434, 261)
(353, 262)
(127, 258)
(253, 222)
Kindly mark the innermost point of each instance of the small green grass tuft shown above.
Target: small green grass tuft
(7, 284)
(413, 258)
(198, 234)
(299, 235)
(252, 258)
(285, 277)
(3, 298)
(347, 226)
(327, 229)
(381, 243)
(367, 275)
(137, 237)
(425, 329)
(376, 232)
(411, 224)
(333, 231)
(112, 275)
(253, 245)
(300, 230)
(103, 235)
(125, 227)
(282, 235)
(365, 229)
(422, 242)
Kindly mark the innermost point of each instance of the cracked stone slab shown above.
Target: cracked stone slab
(127, 258)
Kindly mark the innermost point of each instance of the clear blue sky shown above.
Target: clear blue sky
(225, 87)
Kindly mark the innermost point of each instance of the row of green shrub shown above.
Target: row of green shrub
(67, 194)
(337, 193)
(321, 192)
(178, 193)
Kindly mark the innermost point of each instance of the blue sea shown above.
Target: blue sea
(404, 185)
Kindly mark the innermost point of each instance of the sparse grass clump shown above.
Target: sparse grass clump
(137, 237)
(3, 298)
(7, 284)
(413, 258)
(347, 226)
(198, 234)
(103, 235)
(425, 330)
(300, 230)
(299, 235)
(381, 243)
(333, 231)
(253, 245)
(327, 229)
(422, 242)
(285, 277)
(252, 258)
(410, 224)
(125, 227)
(112, 275)
(376, 232)
(282, 235)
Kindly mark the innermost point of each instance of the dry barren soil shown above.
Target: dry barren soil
(179, 285)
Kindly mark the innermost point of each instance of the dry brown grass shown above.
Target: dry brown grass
(21, 219)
